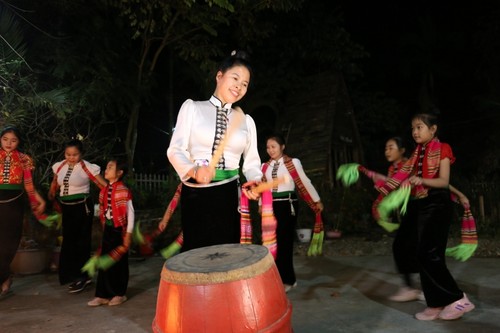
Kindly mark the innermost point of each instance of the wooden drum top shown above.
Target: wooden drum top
(217, 264)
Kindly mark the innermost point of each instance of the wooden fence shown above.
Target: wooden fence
(151, 182)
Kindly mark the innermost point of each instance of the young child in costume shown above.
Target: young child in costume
(395, 154)
(285, 203)
(117, 217)
(71, 187)
(403, 250)
(16, 168)
(427, 220)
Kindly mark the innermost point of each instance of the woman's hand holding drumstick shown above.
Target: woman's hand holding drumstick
(253, 189)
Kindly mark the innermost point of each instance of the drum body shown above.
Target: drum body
(223, 288)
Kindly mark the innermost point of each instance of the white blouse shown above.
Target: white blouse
(78, 180)
(290, 186)
(193, 138)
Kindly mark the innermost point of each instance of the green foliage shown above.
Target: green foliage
(12, 44)
(68, 91)
(105, 65)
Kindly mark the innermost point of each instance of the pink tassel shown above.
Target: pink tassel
(269, 224)
(245, 221)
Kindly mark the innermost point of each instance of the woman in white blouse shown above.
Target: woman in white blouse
(285, 204)
(71, 185)
(210, 191)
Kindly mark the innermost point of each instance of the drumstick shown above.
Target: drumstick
(269, 185)
(237, 119)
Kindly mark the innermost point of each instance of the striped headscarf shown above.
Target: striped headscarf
(120, 195)
(430, 165)
(268, 221)
(469, 239)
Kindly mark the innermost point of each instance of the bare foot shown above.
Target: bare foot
(6, 285)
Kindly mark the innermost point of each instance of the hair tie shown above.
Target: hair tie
(78, 137)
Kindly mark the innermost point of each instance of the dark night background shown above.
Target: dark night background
(450, 46)
(396, 58)
(444, 48)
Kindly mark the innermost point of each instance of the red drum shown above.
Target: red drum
(228, 288)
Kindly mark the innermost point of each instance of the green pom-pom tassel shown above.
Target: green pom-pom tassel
(461, 252)
(50, 220)
(104, 262)
(170, 250)
(316, 246)
(388, 226)
(394, 200)
(406, 193)
(320, 243)
(311, 251)
(59, 222)
(348, 173)
(137, 234)
(90, 266)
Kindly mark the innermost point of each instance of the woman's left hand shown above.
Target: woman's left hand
(414, 180)
(247, 190)
(320, 206)
(40, 208)
(464, 201)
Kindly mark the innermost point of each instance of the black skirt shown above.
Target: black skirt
(210, 215)
(77, 219)
(113, 281)
(12, 203)
(285, 236)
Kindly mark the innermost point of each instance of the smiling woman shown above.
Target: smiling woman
(209, 140)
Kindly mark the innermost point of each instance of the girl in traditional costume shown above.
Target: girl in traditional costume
(71, 185)
(403, 251)
(285, 203)
(426, 223)
(210, 193)
(16, 168)
(395, 154)
(116, 213)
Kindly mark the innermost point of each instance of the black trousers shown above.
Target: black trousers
(420, 246)
(210, 215)
(11, 227)
(77, 234)
(404, 248)
(113, 281)
(285, 236)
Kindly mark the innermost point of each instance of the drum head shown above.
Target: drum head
(218, 263)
